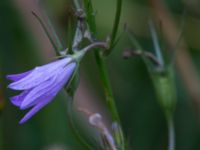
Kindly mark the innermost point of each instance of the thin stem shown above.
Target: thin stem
(107, 87)
(101, 63)
(103, 45)
(70, 36)
(90, 16)
(99, 60)
(57, 40)
(135, 43)
(102, 66)
(56, 48)
(115, 26)
(171, 134)
(156, 43)
(72, 125)
(55, 37)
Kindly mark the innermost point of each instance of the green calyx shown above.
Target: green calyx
(165, 90)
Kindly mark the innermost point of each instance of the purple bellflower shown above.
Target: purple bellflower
(40, 85)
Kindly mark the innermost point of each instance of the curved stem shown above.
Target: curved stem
(72, 125)
(103, 45)
(171, 134)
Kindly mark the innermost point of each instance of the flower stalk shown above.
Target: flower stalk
(162, 75)
(101, 63)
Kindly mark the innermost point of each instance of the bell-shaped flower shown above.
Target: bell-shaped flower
(40, 85)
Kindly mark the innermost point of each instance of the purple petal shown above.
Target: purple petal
(18, 99)
(64, 77)
(16, 77)
(35, 109)
(37, 93)
(39, 75)
(47, 97)
(49, 87)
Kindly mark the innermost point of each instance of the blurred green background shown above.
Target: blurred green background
(23, 46)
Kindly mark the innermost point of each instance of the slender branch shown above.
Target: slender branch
(131, 53)
(102, 67)
(90, 13)
(115, 26)
(156, 42)
(54, 35)
(72, 125)
(103, 45)
(57, 39)
(56, 48)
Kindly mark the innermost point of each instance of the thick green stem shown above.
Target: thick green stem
(107, 87)
(101, 65)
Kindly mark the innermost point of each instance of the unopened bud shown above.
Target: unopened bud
(95, 119)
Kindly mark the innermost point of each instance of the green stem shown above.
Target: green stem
(115, 26)
(72, 125)
(99, 60)
(107, 87)
(101, 65)
(90, 16)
